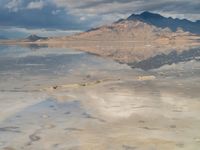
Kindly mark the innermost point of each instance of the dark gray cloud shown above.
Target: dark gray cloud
(38, 19)
(81, 15)
(96, 3)
(36, 16)
(109, 10)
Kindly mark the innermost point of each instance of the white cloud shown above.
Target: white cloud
(13, 5)
(56, 12)
(35, 5)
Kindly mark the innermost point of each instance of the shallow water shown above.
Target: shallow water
(64, 99)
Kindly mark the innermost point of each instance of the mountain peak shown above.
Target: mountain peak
(33, 37)
(145, 15)
(148, 13)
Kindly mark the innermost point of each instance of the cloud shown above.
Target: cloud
(13, 5)
(108, 11)
(40, 15)
(35, 5)
(84, 14)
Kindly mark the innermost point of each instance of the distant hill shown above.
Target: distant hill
(33, 38)
(163, 22)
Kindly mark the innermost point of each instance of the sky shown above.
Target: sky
(19, 18)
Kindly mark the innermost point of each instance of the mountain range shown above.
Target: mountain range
(163, 22)
(132, 40)
(146, 26)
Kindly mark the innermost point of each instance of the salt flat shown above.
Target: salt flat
(74, 100)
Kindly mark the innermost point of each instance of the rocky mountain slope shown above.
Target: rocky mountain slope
(131, 30)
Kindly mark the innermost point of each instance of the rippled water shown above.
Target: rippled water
(64, 99)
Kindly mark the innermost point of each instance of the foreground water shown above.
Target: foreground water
(64, 99)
